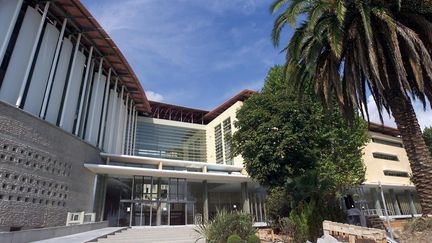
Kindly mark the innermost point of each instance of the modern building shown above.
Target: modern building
(77, 133)
(388, 189)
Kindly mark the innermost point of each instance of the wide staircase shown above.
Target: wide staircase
(162, 234)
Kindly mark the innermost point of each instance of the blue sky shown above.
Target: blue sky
(198, 53)
(195, 53)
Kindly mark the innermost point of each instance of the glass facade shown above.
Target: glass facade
(151, 201)
(169, 142)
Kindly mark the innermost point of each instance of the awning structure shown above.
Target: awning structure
(127, 170)
(170, 162)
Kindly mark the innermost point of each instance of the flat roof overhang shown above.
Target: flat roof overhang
(131, 171)
(170, 162)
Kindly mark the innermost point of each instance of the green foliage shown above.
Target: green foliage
(427, 135)
(419, 224)
(278, 205)
(234, 239)
(305, 221)
(283, 140)
(253, 239)
(313, 154)
(225, 224)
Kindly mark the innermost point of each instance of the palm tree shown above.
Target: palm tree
(346, 49)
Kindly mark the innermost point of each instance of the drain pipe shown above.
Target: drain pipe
(385, 210)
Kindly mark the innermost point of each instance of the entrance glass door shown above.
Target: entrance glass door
(141, 214)
(177, 214)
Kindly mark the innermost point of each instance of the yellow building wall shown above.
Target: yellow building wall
(375, 167)
(211, 150)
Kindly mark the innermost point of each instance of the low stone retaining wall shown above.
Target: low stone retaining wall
(25, 236)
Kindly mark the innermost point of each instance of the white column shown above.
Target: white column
(124, 126)
(87, 99)
(83, 92)
(117, 127)
(134, 133)
(113, 112)
(105, 105)
(92, 121)
(32, 55)
(71, 69)
(52, 71)
(129, 135)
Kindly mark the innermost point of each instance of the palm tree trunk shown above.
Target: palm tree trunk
(415, 146)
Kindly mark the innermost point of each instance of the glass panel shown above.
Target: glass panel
(177, 214)
(163, 141)
(190, 213)
(117, 189)
(164, 214)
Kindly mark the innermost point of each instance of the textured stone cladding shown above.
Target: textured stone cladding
(42, 176)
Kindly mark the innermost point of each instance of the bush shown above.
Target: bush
(234, 239)
(278, 205)
(419, 224)
(226, 224)
(253, 239)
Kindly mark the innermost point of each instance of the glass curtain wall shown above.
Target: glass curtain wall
(169, 142)
(151, 201)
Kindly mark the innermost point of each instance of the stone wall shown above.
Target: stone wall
(41, 171)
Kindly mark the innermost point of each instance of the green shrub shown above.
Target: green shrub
(234, 239)
(419, 224)
(225, 224)
(253, 239)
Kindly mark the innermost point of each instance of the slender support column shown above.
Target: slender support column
(159, 204)
(376, 201)
(411, 202)
(395, 202)
(104, 188)
(260, 208)
(104, 109)
(129, 135)
(255, 207)
(132, 133)
(205, 202)
(124, 125)
(63, 111)
(113, 114)
(135, 130)
(386, 212)
(92, 121)
(245, 197)
(131, 205)
(83, 92)
(9, 31)
(32, 56)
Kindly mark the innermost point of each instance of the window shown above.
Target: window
(227, 142)
(218, 144)
(385, 156)
(387, 142)
(396, 173)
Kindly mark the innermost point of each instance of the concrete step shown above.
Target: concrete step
(162, 234)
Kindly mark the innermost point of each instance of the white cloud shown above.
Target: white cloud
(424, 117)
(153, 96)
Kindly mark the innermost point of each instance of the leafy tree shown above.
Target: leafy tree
(346, 49)
(283, 139)
(298, 145)
(427, 135)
